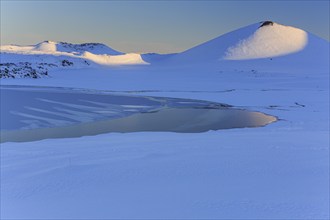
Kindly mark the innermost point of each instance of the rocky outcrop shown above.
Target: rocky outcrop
(24, 70)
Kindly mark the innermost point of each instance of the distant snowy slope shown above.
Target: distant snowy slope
(216, 48)
(155, 57)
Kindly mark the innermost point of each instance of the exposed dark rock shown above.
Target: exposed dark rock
(67, 63)
(266, 23)
(22, 70)
(81, 47)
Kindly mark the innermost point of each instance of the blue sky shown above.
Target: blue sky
(150, 26)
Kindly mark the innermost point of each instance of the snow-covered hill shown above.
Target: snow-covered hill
(264, 45)
(269, 40)
(37, 60)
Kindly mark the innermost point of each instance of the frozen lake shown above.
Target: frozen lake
(35, 113)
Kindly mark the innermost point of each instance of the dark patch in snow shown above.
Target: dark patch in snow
(301, 105)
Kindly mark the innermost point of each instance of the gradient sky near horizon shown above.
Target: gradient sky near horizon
(150, 26)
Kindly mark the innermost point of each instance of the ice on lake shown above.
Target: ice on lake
(35, 113)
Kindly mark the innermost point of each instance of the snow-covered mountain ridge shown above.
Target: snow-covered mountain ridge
(262, 46)
(37, 60)
(51, 47)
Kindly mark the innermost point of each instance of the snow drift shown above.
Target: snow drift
(124, 59)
